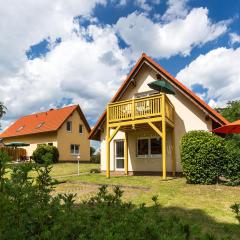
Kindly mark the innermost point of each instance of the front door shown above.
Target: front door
(119, 155)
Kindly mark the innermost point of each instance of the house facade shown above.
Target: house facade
(141, 129)
(66, 128)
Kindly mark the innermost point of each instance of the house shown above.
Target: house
(66, 128)
(141, 129)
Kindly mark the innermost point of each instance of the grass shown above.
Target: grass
(207, 206)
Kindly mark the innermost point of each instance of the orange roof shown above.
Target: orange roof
(94, 134)
(42, 122)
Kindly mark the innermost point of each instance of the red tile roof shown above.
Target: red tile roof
(94, 134)
(42, 122)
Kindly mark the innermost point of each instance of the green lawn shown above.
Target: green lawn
(205, 206)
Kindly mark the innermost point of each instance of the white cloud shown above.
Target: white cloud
(25, 23)
(178, 36)
(176, 9)
(86, 71)
(219, 71)
(144, 5)
(234, 38)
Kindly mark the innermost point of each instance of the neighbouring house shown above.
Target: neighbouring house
(141, 129)
(66, 128)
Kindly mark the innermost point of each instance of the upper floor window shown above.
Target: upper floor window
(80, 128)
(69, 126)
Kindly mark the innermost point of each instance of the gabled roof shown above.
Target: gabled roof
(94, 134)
(42, 122)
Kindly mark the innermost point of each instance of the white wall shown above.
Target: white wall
(187, 117)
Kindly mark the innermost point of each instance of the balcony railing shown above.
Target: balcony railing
(140, 108)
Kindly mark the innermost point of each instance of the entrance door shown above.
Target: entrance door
(119, 154)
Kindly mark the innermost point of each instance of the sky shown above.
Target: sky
(56, 53)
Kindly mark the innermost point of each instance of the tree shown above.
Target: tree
(231, 112)
(2, 110)
(92, 151)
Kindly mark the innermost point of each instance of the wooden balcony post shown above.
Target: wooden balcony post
(107, 146)
(173, 152)
(164, 138)
(126, 153)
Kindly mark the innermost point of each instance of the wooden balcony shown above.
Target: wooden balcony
(140, 110)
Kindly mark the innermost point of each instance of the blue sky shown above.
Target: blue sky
(58, 47)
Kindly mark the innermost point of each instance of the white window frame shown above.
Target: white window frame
(74, 151)
(115, 153)
(70, 127)
(149, 155)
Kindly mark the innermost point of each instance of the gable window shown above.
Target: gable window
(80, 128)
(40, 124)
(69, 126)
(75, 149)
(20, 128)
(149, 147)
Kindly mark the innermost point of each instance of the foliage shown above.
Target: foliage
(2, 110)
(232, 113)
(95, 158)
(236, 209)
(202, 155)
(30, 211)
(92, 151)
(45, 153)
(95, 170)
(231, 166)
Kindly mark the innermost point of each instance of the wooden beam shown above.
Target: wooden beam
(135, 122)
(164, 139)
(107, 148)
(155, 129)
(173, 152)
(114, 133)
(126, 153)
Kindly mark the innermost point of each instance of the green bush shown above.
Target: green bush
(45, 153)
(203, 157)
(231, 167)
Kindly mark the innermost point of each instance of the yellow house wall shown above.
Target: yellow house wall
(65, 139)
(187, 117)
(34, 140)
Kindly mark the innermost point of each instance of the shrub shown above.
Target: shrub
(231, 167)
(203, 157)
(95, 170)
(45, 153)
(236, 209)
(95, 158)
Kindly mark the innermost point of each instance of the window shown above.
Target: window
(80, 128)
(50, 144)
(148, 147)
(142, 147)
(69, 126)
(155, 146)
(20, 128)
(75, 149)
(40, 124)
(119, 154)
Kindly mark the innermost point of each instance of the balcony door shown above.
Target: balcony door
(119, 155)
